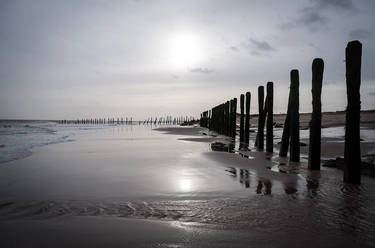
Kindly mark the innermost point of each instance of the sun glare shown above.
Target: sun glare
(185, 50)
(185, 185)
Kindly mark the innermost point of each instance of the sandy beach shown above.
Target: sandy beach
(147, 186)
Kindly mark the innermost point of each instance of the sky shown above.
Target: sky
(90, 59)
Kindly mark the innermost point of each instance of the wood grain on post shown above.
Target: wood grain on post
(234, 124)
(242, 101)
(247, 118)
(352, 152)
(316, 116)
(231, 118)
(269, 131)
(261, 119)
(227, 118)
(294, 152)
(285, 138)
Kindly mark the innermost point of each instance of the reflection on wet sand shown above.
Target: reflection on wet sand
(264, 187)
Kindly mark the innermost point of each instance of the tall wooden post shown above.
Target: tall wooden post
(227, 118)
(234, 124)
(247, 118)
(352, 153)
(316, 116)
(242, 100)
(269, 132)
(261, 119)
(294, 117)
(230, 118)
(285, 138)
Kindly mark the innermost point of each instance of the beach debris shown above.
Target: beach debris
(368, 169)
(277, 125)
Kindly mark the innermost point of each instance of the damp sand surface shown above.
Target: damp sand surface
(141, 187)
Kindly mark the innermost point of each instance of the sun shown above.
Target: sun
(185, 50)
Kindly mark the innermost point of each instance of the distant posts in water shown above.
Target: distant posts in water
(261, 119)
(352, 153)
(294, 117)
(269, 131)
(247, 118)
(242, 118)
(316, 116)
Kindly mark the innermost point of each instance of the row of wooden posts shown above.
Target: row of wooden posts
(223, 118)
(129, 121)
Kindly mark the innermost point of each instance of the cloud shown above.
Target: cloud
(234, 48)
(315, 15)
(337, 4)
(360, 34)
(261, 45)
(201, 70)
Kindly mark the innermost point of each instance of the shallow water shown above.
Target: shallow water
(141, 173)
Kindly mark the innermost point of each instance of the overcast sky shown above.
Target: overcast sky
(78, 59)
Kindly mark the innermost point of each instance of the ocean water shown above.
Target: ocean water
(19, 137)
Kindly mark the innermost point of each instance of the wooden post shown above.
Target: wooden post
(231, 118)
(234, 124)
(352, 153)
(242, 100)
(285, 138)
(294, 117)
(269, 132)
(247, 118)
(228, 118)
(316, 116)
(261, 119)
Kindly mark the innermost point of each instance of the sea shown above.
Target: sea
(19, 137)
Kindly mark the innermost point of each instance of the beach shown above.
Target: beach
(170, 186)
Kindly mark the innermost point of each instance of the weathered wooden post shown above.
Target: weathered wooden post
(285, 138)
(352, 153)
(242, 100)
(247, 118)
(261, 118)
(269, 132)
(231, 118)
(316, 116)
(234, 124)
(294, 152)
(227, 118)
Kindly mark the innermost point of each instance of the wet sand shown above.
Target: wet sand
(329, 119)
(140, 187)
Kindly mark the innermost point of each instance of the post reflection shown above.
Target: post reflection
(264, 187)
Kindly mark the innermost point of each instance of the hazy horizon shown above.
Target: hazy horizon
(95, 59)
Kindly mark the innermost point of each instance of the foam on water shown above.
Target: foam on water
(18, 138)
